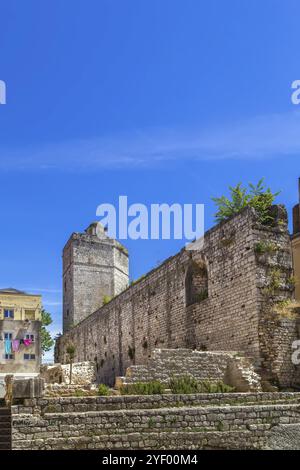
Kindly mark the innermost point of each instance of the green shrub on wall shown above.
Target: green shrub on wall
(257, 196)
(143, 388)
(189, 385)
(264, 247)
(103, 390)
(184, 385)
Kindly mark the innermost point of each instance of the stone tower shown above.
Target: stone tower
(296, 245)
(94, 266)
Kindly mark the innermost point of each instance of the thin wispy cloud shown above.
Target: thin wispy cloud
(260, 137)
(52, 304)
(42, 289)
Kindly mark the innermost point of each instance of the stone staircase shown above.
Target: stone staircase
(241, 374)
(230, 367)
(5, 427)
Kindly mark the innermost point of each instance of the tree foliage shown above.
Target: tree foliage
(71, 350)
(257, 196)
(47, 341)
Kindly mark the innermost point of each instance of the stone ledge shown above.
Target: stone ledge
(154, 440)
(62, 404)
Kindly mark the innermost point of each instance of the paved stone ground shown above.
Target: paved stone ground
(284, 436)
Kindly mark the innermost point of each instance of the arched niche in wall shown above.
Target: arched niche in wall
(196, 283)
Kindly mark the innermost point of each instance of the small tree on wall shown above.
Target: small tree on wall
(257, 196)
(71, 350)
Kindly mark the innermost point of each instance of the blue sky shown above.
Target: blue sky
(159, 100)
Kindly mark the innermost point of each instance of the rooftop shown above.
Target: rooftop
(12, 291)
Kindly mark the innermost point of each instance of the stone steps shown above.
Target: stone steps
(164, 420)
(5, 428)
(132, 402)
(154, 441)
(166, 423)
(229, 367)
(153, 428)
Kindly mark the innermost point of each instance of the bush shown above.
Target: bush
(143, 388)
(215, 387)
(103, 390)
(265, 247)
(189, 385)
(184, 385)
(259, 197)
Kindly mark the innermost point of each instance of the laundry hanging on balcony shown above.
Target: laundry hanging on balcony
(7, 346)
(16, 345)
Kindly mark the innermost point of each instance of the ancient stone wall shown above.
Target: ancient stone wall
(237, 421)
(210, 299)
(83, 373)
(278, 318)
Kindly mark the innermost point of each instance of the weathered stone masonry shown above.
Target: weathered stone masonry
(205, 421)
(94, 267)
(216, 298)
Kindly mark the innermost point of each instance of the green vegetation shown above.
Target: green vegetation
(143, 388)
(131, 352)
(275, 282)
(259, 197)
(282, 304)
(122, 249)
(133, 282)
(151, 422)
(202, 295)
(47, 341)
(184, 385)
(106, 299)
(189, 385)
(71, 350)
(103, 390)
(220, 426)
(265, 247)
(288, 308)
(292, 282)
(215, 387)
(179, 385)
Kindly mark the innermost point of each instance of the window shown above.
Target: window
(8, 313)
(30, 336)
(29, 357)
(8, 356)
(8, 336)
